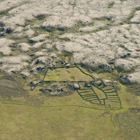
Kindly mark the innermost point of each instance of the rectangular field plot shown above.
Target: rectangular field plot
(66, 74)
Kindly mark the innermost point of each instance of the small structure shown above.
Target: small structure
(76, 86)
(91, 89)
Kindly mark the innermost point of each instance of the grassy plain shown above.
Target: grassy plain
(69, 118)
(63, 74)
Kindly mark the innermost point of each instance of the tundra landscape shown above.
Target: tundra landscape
(69, 69)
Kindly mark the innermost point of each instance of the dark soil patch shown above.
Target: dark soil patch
(128, 124)
(134, 89)
(9, 88)
(12, 92)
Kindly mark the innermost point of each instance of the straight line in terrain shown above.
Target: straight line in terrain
(79, 106)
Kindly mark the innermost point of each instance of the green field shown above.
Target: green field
(38, 117)
(53, 123)
(66, 74)
(68, 118)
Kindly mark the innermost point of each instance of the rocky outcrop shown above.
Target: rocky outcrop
(5, 46)
(133, 78)
(99, 35)
(24, 47)
(38, 38)
(127, 64)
